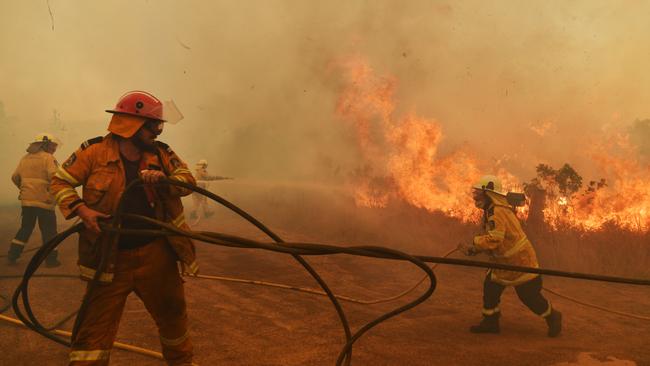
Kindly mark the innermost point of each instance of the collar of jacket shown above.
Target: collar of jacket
(149, 159)
(112, 148)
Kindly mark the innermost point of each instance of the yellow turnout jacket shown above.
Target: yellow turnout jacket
(505, 242)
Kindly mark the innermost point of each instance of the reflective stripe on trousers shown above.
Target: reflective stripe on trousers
(151, 272)
(93, 355)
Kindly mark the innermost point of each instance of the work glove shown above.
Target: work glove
(468, 249)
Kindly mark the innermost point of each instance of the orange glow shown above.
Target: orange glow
(625, 200)
(401, 160)
(403, 151)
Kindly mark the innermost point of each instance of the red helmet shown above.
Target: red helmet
(140, 104)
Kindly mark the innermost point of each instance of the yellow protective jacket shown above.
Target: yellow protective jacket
(97, 166)
(505, 242)
(32, 177)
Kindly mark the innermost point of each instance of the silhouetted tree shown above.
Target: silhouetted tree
(595, 185)
(545, 173)
(568, 180)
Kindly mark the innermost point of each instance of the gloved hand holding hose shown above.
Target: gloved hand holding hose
(90, 217)
(151, 176)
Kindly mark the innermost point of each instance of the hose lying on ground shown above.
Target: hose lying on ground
(318, 292)
(151, 353)
(295, 249)
(21, 293)
(118, 345)
(54, 328)
(401, 294)
(57, 324)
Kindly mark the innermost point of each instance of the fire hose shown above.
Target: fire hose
(297, 250)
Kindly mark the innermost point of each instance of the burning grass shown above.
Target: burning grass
(330, 214)
(400, 158)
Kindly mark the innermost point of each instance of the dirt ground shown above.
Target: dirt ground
(242, 324)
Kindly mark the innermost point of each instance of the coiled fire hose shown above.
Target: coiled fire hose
(295, 249)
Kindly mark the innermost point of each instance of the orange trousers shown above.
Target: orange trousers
(151, 272)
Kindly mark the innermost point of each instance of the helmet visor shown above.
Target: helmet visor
(171, 113)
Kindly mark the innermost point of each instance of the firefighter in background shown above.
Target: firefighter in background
(505, 242)
(32, 177)
(146, 265)
(202, 178)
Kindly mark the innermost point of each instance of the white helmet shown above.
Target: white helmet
(202, 163)
(489, 183)
(46, 137)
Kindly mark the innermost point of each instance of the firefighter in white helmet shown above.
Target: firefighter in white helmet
(505, 242)
(202, 180)
(32, 177)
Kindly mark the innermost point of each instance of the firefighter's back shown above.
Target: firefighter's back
(34, 172)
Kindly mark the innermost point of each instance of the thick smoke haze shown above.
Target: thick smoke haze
(257, 81)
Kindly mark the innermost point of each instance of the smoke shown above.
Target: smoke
(640, 136)
(519, 82)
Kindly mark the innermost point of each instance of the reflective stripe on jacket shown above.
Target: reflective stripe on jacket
(505, 242)
(97, 166)
(32, 177)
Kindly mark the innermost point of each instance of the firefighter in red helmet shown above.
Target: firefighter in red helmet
(146, 265)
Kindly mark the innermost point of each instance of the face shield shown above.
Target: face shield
(171, 113)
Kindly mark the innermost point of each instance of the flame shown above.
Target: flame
(402, 151)
(401, 160)
(624, 201)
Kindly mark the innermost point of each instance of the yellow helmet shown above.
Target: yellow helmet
(46, 137)
(202, 163)
(489, 183)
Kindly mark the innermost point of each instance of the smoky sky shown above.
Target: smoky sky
(525, 82)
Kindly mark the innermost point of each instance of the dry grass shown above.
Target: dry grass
(330, 215)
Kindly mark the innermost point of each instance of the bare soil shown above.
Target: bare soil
(242, 324)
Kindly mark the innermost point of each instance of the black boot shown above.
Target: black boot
(489, 324)
(554, 322)
(52, 260)
(15, 250)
